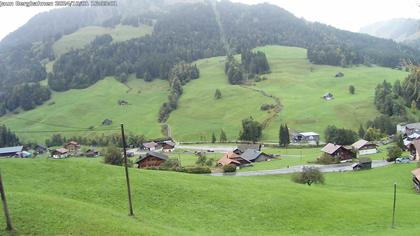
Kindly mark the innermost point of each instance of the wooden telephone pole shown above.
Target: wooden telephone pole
(9, 226)
(127, 178)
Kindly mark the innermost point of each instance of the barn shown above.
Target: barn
(151, 159)
(10, 151)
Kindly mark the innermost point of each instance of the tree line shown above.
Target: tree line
(26, 96)
(7, 137)
(180, 75)
(397, 99)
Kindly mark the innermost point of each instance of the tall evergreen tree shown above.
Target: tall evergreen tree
(361, 131)
(213, 138)
(223, 137)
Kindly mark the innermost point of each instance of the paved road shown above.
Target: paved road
(324, 168)
(220, 149)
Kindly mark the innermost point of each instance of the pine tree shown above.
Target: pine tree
(281, 134)
(223, 137)
(361, 131)
(213, 138)
(287, 135)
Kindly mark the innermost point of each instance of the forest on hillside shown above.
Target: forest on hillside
(199, 35)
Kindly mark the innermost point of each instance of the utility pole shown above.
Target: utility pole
(127, 178)
(393, 208)
(9, 226)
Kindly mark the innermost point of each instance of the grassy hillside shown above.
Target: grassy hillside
(299, 85)
(199, 114)
(59, 197)
(86, 35)
(89, 107)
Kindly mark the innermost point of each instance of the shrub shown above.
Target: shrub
(266, 107)
(229, 168)
(197, 170)
(113, 156)
(326, 159)
(394, 152)
(309, 176)
(170, 164)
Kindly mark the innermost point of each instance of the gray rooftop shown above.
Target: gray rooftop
(7, 150)
(251, 154)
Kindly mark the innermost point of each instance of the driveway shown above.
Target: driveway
(323, 168)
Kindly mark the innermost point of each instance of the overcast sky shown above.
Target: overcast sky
(344, 14)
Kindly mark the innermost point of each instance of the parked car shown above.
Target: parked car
(403, 160)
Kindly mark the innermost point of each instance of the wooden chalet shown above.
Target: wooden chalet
(72, 147)
(255, 156)
(416, 178)
(363, 147)
(232, 158)
(151, 159)
(59, 153)
(338, 151)
(243, 147)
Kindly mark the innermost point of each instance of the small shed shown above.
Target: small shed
(10, 151)
(339, 75)
(151, 159)
(107, 122)
(365, 163)
(328, 96)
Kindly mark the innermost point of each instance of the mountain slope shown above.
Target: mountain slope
(399, 30)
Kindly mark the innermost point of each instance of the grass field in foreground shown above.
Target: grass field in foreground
(85, 35)
(89, 107)
(83, 196)
(299, 85)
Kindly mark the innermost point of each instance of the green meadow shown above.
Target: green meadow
(59, 197)
(299, 85)
(87, 108)
(85, 35)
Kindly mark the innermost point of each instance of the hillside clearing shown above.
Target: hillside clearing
(85, 35)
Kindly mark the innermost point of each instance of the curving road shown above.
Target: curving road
(323, 168)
